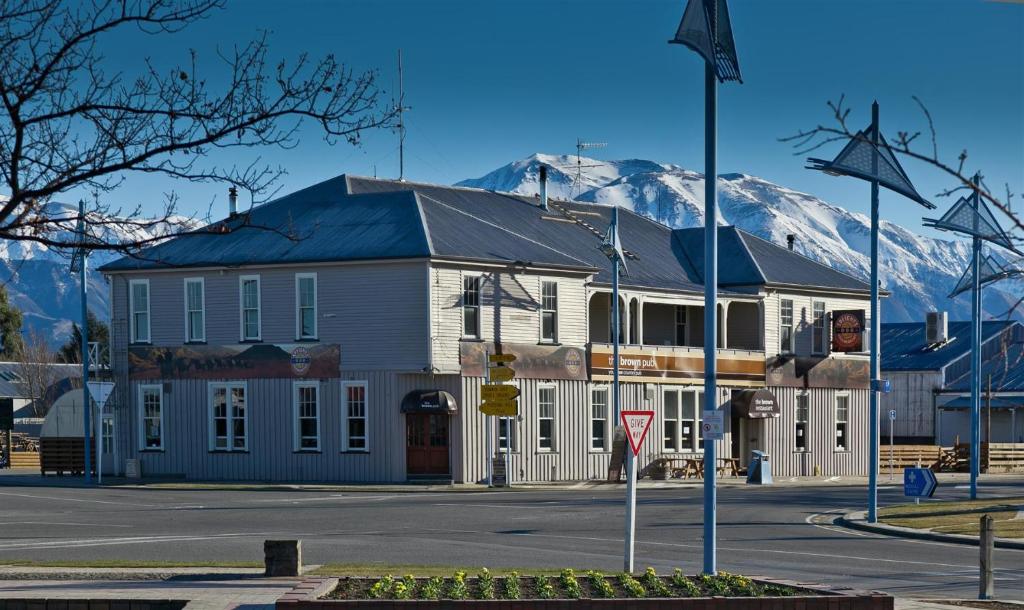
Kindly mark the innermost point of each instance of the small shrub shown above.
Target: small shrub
(510, 585)
(631, 586)
(655, 586)
(544, 588)
(778, 590)
(457, 589)
(434, 588)
(485, 583)
(739, 586)
(684, 585)
(382, 588)
(713, 585)
(601, 586)
(408, 583)
(569, 583)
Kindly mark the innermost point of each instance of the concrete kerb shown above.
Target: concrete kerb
(858, 520)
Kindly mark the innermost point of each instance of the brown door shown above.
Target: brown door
(426, 447)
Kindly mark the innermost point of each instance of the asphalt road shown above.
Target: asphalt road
(773, 531)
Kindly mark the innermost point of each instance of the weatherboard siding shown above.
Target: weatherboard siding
(803, 318)
(912, 397)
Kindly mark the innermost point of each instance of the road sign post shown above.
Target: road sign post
(636, 424)
(919, 482)
(892, 422)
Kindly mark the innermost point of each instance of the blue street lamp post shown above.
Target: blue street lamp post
(875, 329)
(976, 345)
(81, 261)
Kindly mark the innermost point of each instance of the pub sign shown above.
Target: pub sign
(848, 330)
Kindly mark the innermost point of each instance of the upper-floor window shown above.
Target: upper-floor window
(471, 306)
(802, 415)
(818, 335)
(138, 296)
(249, 306)
(151, 417)
(305, 306)
(842, 422)
(786, 326)
(681, 420)
(599, 419)
(306, 404)
(549, 312)
(195, 310)
(680, 325)
(546, 417)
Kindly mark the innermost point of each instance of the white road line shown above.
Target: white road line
(64, 523)
(87, 542)
(7, 493)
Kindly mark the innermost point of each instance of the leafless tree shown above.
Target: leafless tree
(69, 123)
(37, 371)
(907, 143)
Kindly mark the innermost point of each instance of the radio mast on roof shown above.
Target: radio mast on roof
(580, 147)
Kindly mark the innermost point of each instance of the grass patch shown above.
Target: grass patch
(373, 570)
(125, 563)
(960, 517)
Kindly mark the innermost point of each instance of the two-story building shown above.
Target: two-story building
(340, 333)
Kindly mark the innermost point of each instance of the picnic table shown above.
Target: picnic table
(692, 466)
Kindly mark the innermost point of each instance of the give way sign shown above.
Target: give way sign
(636, 423)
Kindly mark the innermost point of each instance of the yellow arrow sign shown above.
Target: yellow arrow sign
(498, 392)
(500, 408)
(502, 357)
(502, 373)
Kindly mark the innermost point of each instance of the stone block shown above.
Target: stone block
(282, 557)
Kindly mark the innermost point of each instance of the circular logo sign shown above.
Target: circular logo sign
(301, 360)
(573, 362)
(847, 328)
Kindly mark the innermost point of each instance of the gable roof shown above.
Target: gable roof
(904, 348)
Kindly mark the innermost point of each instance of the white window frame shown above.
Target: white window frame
(545, 310)
(806, 397)
(297, 418)
(242, 279)
(602, 389)
(698, 406)
(836, 420)
(681, 325)
(142, 415)
(202, 310)
(298, 307)
(229, 447)
(131, 311)
(511, 423)
(345, 440)
(552, 418)
(107, 433)
(791, 348)
(479, 279)
(819, 347)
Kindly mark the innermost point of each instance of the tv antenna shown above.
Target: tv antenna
(580, 147)
(401, 108)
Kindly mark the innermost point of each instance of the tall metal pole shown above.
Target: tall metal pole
(488, 423)
(615, 322)
(975, 350)
(875, 326)
(627, 561)
(86, 403)
(710, 311)
(401, 122)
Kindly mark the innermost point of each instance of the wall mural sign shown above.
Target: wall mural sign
(244, 361)
(818, 372)
(684, 367)
(848, 330)
(531, 362)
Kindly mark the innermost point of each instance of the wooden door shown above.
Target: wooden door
(426, 447)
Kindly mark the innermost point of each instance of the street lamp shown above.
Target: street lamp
(867, 156)
(611, 247)
(706, 29)
(970, 216)
(80, 263)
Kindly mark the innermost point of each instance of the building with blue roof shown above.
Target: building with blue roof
(342, 333)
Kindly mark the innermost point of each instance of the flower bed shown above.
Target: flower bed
(573, 589)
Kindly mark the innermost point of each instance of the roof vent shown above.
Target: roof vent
(543, 187)
(936, 327)
(790, 240)
(232, 200)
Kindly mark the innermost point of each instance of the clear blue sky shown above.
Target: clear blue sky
(490, 82)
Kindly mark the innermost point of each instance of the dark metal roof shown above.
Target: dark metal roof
(904, 347)
(1006, 369)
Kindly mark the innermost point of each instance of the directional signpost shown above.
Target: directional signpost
(489, 392)
(919, 482)
(636, 424)
(502, 373)
(500, 408)
(499, 400)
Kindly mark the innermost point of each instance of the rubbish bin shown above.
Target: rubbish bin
(760, 470)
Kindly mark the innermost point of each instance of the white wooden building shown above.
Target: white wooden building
(355, 352)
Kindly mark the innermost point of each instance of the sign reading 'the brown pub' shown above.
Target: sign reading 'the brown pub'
(675, 366)
(848, 330)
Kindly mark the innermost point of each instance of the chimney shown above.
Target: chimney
(543, 187)
(232, 201)
(790, 240)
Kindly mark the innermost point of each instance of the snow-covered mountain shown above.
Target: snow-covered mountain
(39, 280)
(920, 271)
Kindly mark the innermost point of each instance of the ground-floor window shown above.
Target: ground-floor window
(546, 417)
(801, 417)
(599, 419)
(354, 403)
(842, 419)
(681, 420)
(108, 434)
(229, 430)
(151, 416)
(306, 406)
(506, 433)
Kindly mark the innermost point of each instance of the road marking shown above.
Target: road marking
(64, 523)
(87, 542)
(7, 493)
